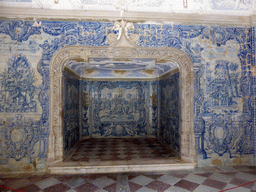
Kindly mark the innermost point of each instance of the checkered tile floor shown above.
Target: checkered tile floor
(113, 149)
(230, 179)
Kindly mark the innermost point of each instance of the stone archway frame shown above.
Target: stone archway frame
(82, 53)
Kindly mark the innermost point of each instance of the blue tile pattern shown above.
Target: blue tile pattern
(152, 35)
(153, 104)
(18, 89)
(85, 101)
(19, 132)
(218, 122)
(19, 30)
(71, 111)
(169, 111)
(254, 87)
(119, 108)
(224, 115)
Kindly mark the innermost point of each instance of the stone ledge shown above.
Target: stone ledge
(140, 17)
(120, 166)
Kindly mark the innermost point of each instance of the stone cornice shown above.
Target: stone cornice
(253, 20)
(142, 17)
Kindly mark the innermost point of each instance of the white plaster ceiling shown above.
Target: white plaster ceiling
(218, 7)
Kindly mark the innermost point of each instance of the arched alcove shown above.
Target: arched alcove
(82, 53)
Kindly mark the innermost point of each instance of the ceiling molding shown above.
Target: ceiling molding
(71, 72)
(135, 17)
(253, 20)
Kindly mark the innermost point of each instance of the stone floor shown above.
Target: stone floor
(118, 149)
(211, 179)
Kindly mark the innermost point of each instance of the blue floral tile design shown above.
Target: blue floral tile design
(19, 108)
(19, 30)
(18, 89)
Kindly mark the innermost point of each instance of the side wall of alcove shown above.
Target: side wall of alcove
(169, 111)
(71, 116)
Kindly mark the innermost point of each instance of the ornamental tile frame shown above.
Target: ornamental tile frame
(121, 51)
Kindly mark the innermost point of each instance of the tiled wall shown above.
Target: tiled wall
(128, 108)
(169, 111)
(71, 111)
(118, 108)
(223, 85)
(86, 98)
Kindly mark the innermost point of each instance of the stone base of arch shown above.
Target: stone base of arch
(82, 53)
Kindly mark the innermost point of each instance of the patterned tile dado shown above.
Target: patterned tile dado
(219, 55)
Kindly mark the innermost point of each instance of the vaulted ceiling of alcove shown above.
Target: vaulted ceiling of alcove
(121, 68)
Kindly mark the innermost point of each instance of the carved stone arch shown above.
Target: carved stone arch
(82, 53)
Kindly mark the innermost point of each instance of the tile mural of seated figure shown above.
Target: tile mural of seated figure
(119, 106)
(119, 109)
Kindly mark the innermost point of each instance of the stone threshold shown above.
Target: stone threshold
(120, 166)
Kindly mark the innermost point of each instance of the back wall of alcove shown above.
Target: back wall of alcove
(121, 108)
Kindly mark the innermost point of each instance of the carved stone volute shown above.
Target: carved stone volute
(122, 39)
